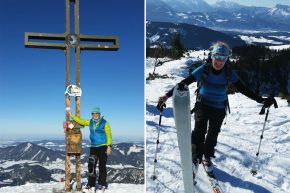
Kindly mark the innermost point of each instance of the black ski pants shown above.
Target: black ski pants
(97, 154)
(208, 121)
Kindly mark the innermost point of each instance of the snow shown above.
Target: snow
(252, 39)
(48, 187)
(221, 20)
(201, 21)
(169, 13)
(199, 54)
(279, 47)
(27, 146)
(207, 17)
(50, 144)
(58, 164)
(6, 142)
(172, 30)
(7, 164)
(134, 149)
(121, 151)
(237, 143)
(183, 15)
(36, 155)
(277, 11)
(281, 37)
(154, 38)
(120, 166)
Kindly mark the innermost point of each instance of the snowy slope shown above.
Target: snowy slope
(237, 142)
(279, 47)
(48, 187)
(253, 39)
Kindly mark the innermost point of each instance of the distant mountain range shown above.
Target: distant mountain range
(19, 174)
(223, 15)
(29, 151)
(28, 162)
(192, 36)
(123, 153)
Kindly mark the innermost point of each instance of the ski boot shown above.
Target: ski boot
(89, 189)
(101, 189)
(208, 165)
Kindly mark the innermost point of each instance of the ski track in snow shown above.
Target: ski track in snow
(48, 187)
(237, 143)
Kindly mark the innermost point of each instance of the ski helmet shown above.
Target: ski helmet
(96, 110)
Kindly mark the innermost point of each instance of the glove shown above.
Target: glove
(161, 102)
(268, 102)
(181, 86)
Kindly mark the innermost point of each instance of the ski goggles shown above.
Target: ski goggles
(219, 56)
(95, 113)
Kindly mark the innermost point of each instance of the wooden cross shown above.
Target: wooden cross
(78, 42)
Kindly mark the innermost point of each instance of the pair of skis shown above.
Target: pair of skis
(182, 118)
(213, 181)
(211, 178)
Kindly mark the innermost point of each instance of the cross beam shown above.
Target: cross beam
(65, 42)
(28, 37)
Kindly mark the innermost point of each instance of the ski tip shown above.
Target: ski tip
(217, 191)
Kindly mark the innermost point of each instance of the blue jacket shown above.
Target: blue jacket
(100, 131)
(213, 91)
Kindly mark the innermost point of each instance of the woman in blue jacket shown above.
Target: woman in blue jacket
(101, 141)
(210, 108)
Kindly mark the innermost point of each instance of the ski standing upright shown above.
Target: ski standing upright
(182, 118)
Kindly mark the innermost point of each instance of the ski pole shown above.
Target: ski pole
(254, 169)
(160, 107)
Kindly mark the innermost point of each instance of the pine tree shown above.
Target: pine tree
(177, 48)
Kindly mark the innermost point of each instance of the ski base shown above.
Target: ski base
(182, 119)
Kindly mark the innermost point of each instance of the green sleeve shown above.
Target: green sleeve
(108, 133)
(80, 121)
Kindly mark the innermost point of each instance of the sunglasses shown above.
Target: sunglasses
(95, 113)
(219, 57)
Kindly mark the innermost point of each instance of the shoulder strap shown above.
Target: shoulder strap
(205, 72)
(228, 72)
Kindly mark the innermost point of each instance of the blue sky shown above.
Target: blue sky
(32, 81)
(262, 3)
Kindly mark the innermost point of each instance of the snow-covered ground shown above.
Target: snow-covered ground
(237, 143)
(279, 47)
(48, 188)
(253, 39)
